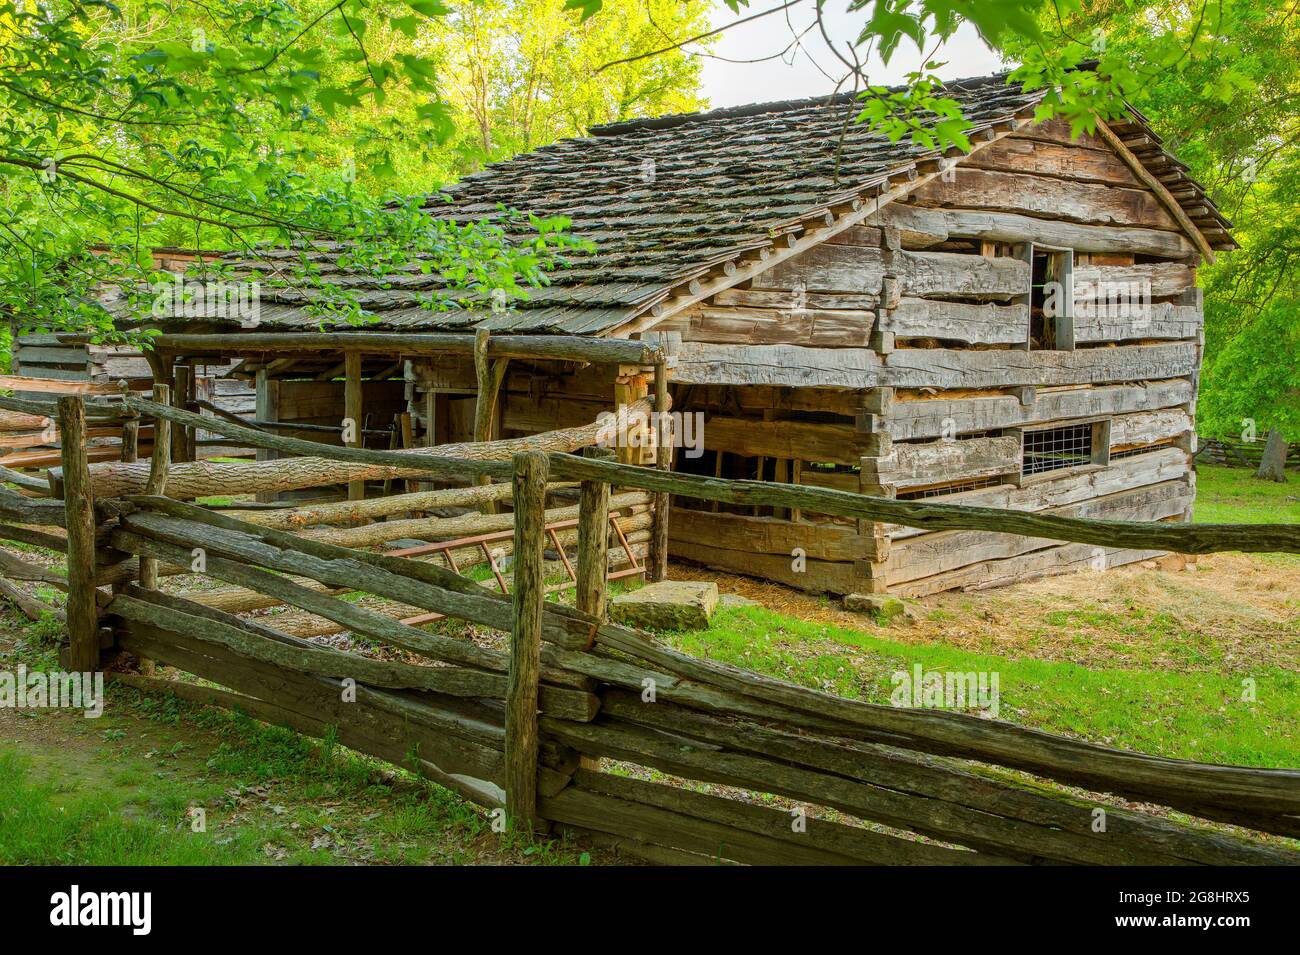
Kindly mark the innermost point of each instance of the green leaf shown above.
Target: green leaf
(430, 8)
(589, 8)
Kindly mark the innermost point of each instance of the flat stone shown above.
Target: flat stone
(729, 601)
(667, 605)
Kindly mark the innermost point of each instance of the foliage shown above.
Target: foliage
(1232, 113)
(241, 123)
(524, 73)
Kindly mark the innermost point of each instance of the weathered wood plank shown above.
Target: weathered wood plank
(1156, 279)
(816, 576)
(1007, 227)
(929, 554)
(1058, 131)
(1142, 320)
(780, 299)
(976, 324)
(946, 780)
(1091, 203)
(313, 706)
(526, 639)
(1165, 464)
(769, 535)
(807, 440)
(1064, 161)
(827, 268)
(530, 414)
(932, 417)
(950, 368)
(590, 592)
(699, 363)
(958, 274)
(760, 398)
(797, 325)
(686, 830)
(739, 821)
(938, 462)
(1148, 427)
(1064, 559)
(82, 609)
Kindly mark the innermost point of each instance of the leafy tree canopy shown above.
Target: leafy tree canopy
(221, 125)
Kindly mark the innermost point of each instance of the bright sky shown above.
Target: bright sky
(795, 74)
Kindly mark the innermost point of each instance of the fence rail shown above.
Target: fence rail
(522, 729)
(1184, 538)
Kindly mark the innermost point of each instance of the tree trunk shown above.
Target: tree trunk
(1272, 464)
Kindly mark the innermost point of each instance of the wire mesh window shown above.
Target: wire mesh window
(1055, 448)
(944, 489)
(1144, 449)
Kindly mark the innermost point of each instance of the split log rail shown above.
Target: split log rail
(525, 730)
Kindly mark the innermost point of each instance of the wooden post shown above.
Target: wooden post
(488, 375)
(266, 409)
(431, 406)
(183, 438)
(406, 432)
(157, 485)
(629, 387)
(130, 430)
(130, 440)
(352, 410)
(530, 476)
(83, 614)
(593, 541)
(658, 569)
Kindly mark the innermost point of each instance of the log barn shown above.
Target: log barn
(1017, 326)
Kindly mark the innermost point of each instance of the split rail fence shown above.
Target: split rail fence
(533, 722)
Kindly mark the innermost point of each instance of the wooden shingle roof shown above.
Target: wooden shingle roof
(668, 202)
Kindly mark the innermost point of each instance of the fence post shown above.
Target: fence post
(83, 614)
(593, 541)
(658, 569)
(159, 462)
(183, 438)
(530, 476)
(352, 408)
(157, 483)
(130, 430)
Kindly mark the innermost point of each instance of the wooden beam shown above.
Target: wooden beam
(62, 387)
(1158, 187)
(267, 408)
(182, 392)
(352, 411)
(658, 569)
(82, 609)
(521, 744)
(545, 347)
(1009, 227)
(593, 543)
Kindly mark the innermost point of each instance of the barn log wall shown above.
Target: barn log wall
(910, 356)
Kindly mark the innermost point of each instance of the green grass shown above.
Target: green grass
(118, 790)
(1187, 715)
(1193, 713)
(52, 823)
(1236, 496)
